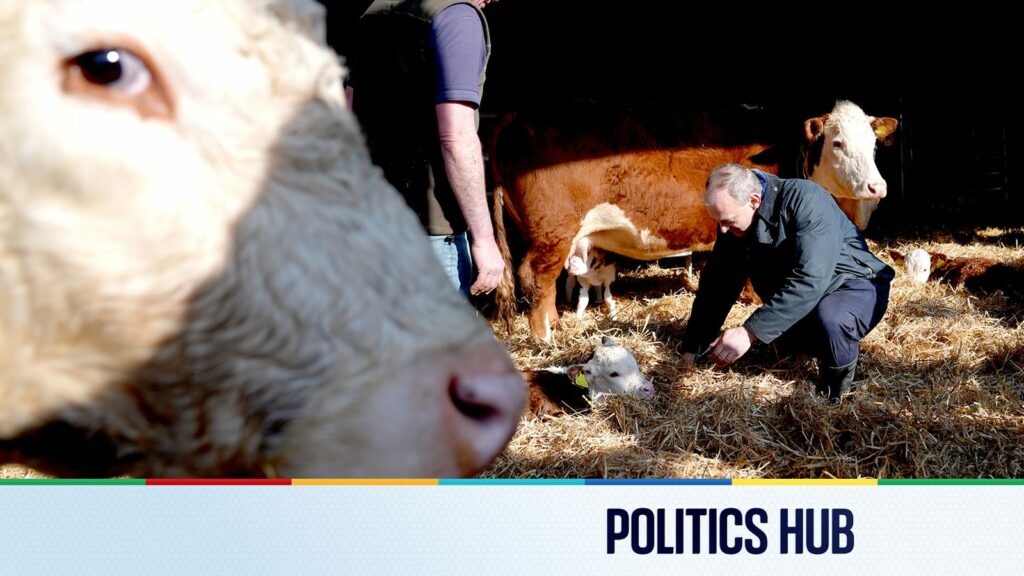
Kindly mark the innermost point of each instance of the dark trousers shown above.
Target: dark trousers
(833, 330)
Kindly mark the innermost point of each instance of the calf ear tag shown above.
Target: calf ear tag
(581, 381)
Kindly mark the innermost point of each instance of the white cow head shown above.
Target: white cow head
(846, 167)
(191, 234)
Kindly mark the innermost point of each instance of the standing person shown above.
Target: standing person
(822, 289)
(418, 72)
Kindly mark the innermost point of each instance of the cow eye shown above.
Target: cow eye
(119, 77)
(116, 69)
(614, 374)
(838, 144)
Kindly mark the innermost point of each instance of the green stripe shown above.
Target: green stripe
(72, 482)
(953, 482)
(511, 482)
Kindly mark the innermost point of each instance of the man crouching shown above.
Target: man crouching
(822, 289)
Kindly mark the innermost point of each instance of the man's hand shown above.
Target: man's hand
(731, 345)
(489, 265)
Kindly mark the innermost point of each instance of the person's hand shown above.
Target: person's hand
(489, 266)
(731, 345)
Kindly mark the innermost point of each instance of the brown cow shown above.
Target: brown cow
(635, 188)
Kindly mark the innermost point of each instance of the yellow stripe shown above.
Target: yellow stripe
(364, 482)
(805, 482)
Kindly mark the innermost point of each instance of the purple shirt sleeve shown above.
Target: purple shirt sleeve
(457, 37)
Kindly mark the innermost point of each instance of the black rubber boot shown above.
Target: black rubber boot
(835, 382)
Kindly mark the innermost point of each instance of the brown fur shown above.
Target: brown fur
(978, 274)
(551, 394)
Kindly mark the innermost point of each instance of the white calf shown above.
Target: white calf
(590, 267)
(612, 369)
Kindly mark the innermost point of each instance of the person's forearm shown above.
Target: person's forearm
(464, 165)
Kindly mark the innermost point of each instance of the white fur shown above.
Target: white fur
(918, 265)
(611, 369)
(614, 370)
(587, 265)
(847, 166)
(187, 285)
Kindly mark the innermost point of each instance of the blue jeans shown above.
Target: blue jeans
(453, 252)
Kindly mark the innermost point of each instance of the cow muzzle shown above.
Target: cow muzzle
(874, 190)
(486, 397)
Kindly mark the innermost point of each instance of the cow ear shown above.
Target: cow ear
(813, 127)
(608, 341)
(896, 256)
(938, 260)
(554, 369)
(574, 371)
(884, 129)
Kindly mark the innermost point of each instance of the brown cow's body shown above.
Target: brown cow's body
(983, 275)
(635, 187)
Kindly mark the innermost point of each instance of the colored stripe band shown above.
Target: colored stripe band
(805, 482)
(511, 482)
(218, 482)
(364, 482)
(659, 482)
(72, 482)
(953, 482)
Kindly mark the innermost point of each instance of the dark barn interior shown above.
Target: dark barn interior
(955, 160)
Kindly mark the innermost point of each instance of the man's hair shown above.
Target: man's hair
(740, 182)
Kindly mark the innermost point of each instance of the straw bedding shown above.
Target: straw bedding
(939, 389)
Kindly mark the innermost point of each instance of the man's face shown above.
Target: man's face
(732, 216)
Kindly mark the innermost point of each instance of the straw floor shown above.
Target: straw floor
(938, 393)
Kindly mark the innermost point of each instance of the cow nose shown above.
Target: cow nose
(488, 395)
(647, 391)
(877, 189)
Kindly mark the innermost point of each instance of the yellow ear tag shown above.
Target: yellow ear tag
(581, 381)
(881, 131)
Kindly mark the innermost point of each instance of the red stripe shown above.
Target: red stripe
(218, 482)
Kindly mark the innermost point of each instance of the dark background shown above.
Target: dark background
(956, 157)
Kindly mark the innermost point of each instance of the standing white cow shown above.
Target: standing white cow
(190, 239)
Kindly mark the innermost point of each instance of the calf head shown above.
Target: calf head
(917, 263)
(612, 370)
(577, 266)
(190, 238)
